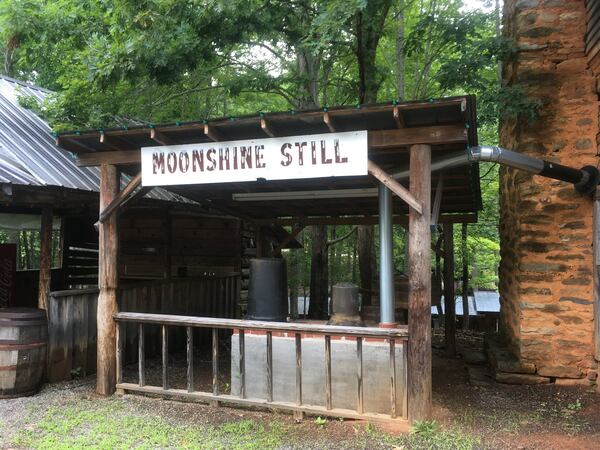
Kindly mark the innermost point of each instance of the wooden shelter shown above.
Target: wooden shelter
(43, 190)
(404, 140)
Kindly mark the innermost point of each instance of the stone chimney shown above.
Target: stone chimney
(546, 270)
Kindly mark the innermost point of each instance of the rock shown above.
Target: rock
(526, 4)
(514, 366)
(474, 357)
(572, 382)
(592, 375)
(560, 371)
(520, 378)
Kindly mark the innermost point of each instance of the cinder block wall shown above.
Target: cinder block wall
(546, 278)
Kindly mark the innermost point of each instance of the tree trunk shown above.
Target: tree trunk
(318, 273)
(400, 60)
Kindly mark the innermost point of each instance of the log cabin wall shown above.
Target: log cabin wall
(546, 279)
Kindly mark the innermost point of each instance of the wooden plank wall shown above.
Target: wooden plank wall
(72, 317)
(198, 245)
(71, 333)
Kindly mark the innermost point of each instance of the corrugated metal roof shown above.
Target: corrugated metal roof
(29, 155)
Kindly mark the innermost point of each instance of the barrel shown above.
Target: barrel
(23, 346)
(267, 290)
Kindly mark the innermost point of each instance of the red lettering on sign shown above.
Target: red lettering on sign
(172, 162)
(324, 158)
(259, 156)
(288, 157)
(158, 163)
(197, 161)
(209, 156)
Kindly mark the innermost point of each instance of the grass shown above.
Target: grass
(109, 425)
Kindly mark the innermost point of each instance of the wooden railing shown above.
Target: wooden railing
(72, 316)
(393, 337)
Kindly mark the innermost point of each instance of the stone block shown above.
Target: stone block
(559, 371)
(572, 382)
(520, 378)
(515, 366)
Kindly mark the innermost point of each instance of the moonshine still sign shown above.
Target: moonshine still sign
(293, 157)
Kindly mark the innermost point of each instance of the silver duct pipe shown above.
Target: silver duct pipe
(585, 179)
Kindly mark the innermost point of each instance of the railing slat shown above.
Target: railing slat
(215, 361)
(190, 359)
(359, 376)
(242, 364)
(141, 356)
(328, 371)
(119, 338)
(404, 377)
(165, 357)
(393, 377)
(298, 369)
(269, 366)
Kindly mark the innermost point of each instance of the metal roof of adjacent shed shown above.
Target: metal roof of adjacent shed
(28, 151)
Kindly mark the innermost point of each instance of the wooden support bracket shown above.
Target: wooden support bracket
(120, 198)
(395, 187)
(267, 129)
(437, 202)
(211, 133)
(160, 138)
(329, 122)
(398, 118)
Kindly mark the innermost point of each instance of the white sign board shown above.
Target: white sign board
(312, 156)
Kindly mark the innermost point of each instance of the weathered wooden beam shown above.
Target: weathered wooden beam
(45, 258)
(395, 187)
(160, 138)
(119, 158)
(403, 137)
(107, 282)
(449, 294)
(107, 212)
(419, 294)
(401, 331)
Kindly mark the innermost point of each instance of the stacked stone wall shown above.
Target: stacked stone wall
(546, 280)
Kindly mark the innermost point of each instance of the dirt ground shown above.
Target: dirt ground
(494, 416)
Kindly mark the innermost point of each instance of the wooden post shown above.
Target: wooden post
(107, 282)
(419, 296)
(449, 294)
(45, 258)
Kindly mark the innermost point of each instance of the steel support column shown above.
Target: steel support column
(386, 272)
